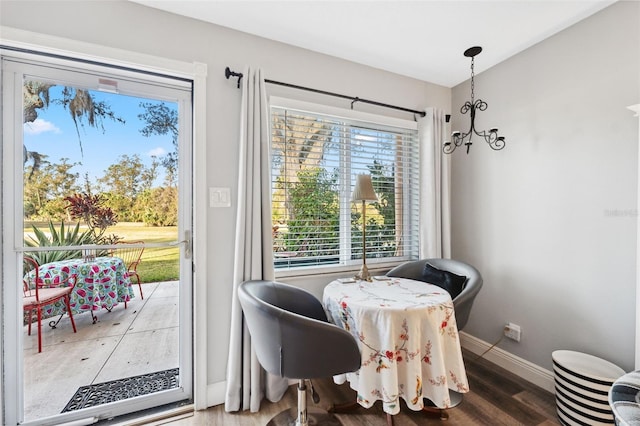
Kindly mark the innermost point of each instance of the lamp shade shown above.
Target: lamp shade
(364, 189)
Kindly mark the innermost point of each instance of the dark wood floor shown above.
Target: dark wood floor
(496, 397)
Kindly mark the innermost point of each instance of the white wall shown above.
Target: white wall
(550, 221)
(134, 27)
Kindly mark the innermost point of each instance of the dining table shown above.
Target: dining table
(101, 283)
(408, 338)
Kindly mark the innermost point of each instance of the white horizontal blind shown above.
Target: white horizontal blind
(315, 159)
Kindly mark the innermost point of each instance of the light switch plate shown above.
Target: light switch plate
(219, 197)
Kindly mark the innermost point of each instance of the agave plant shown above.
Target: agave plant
(57, 238)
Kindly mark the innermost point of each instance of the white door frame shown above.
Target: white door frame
(28, 41)
(636, 108)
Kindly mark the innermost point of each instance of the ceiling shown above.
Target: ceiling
(423, 39)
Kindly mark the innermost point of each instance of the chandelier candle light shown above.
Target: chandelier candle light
(364, 192)
(457, 138)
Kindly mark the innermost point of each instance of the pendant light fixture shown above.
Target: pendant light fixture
(491, 136)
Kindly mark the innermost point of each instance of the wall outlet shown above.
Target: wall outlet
(512, 331)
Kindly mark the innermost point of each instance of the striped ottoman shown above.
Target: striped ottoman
(582, 384)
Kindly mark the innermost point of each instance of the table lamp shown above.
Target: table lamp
(364, 192)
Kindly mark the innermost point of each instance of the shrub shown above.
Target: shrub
(98, 218)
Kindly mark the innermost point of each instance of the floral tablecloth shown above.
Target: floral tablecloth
(408, 339)
(101, 283)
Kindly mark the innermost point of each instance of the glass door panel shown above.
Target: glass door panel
(101, 204)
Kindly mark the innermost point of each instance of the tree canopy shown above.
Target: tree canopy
(126, 187)
(83, 108)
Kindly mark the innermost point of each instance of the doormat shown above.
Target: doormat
(116, 390)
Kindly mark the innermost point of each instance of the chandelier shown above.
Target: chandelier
(457, 138)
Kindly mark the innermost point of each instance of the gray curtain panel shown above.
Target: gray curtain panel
(435, 187)
(247, 382)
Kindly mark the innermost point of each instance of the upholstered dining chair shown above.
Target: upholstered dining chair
(293, 339)
(463, 297)
(131, 257)
(472, 283)
(38, 294)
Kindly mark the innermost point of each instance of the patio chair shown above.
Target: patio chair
(38, 294)
(131, 257)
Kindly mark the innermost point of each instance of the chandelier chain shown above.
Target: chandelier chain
(472, 83)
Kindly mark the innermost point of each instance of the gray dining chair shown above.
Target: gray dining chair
(462, 302)
(293, 339)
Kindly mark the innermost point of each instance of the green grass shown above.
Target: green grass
(158, 264)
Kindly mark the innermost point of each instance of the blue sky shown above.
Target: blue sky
(54, 134)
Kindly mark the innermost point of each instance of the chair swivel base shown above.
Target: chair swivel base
(429, 407)
(315, 416)
(455, 398)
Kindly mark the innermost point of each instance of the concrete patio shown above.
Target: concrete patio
(143, 338)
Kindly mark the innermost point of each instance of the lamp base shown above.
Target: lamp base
(364, 274)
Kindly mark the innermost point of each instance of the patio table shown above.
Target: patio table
(101, 283)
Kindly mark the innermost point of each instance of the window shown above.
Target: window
(317, 152)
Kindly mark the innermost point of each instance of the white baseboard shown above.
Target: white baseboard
(521, 367)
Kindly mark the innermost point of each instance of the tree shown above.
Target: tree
(81, 105)
(159, 206)
(149, 174)
(127, 187)
(121, 184)
(298, 143)
(314, 215)
(385, 227)
(162, 120)
(43, 195)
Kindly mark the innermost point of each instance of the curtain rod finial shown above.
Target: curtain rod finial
(228, 73)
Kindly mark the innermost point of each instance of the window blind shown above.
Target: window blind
(315, 160)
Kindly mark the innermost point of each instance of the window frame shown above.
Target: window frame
(346, 264)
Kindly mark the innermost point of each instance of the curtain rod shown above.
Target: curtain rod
(228, 73)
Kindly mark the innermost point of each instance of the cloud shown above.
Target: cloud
(40, 126)
(157, 152)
